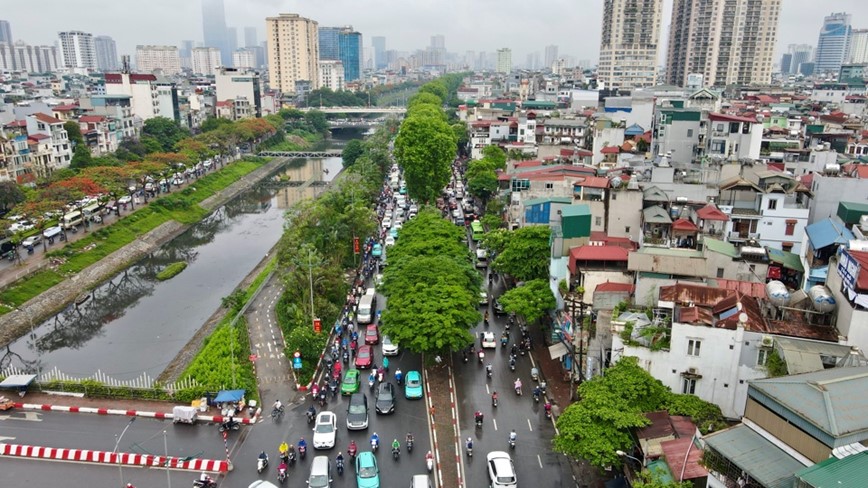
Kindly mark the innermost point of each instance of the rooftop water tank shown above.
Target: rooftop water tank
(777, 293)
(822, 298)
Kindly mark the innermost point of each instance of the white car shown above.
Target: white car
(483, 297)
(390, 241)
(501, 470)
(488, 340)
(389, 347)
(387, 222)
(325, 430)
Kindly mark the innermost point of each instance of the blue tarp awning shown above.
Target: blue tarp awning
(229, 396)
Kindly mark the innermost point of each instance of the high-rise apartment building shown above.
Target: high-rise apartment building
(231, 41)
(77, 50)
(858, 46)
(206, 60)
(23, 57)
(438, 42)
(244, 58)
(551, 56)
(186, 53)
(725, 41)
(833, 43)
(214, 28)
(239, 85)
(293, 52)
(5, 32)
(329, 42)
(628, 43)
(250, 37)
(342, 44)
(504, 60)
(379, 44)
(106, 53)
(150, 58)
(798, 54)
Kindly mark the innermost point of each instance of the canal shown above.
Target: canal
(133, 324)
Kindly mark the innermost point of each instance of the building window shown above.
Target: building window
(598, 221)
(791, 227)
(688, 386)
(763, 356)
(773, 204)
(627, 229)
(787, 246)
(693, 346)
(720, 272)
(550, 186)
(689, 132)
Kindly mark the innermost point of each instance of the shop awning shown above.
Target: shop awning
(558, 350)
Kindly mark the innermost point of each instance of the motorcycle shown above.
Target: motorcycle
(548, 410)
(536, 395)
(261, 464)
(463, 353)
(511, 443)
(494, 401)
(478, 422)
(352, 452)
(281, 474)
(291, 458)
(512, 364)
(322, 398)
(409, 445)
(229, 424)
(481, 356)
(371, 383)
(310, 416)
(302, 451)
(375, 444)
(503, 342)
(396, 453)
(339, 464)
(346, 357)
(333, 387)
(488, 371)
(209, 483)
(276, 413)
(518, 388)
(469, 450)
(429, 461)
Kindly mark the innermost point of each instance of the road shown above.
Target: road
(39, 473)
(535, 463)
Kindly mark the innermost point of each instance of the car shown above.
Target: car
(320, 473)
(498, 307)
(390, 241)
(32, 240)
(350, 384)
(372, 335)
(387, 222)
(367, 472)
(325, 430)
(385, 398)
(483, 297)
(393, 232)
(413, 385)
(414, 208)
(357, 412)
(377, 250)
(364, 357)
(501, 470)
(488, 340)
(126, 199)
(389, 347)
(22, 226)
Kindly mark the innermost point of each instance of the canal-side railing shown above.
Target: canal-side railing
(143, 382)
(301, 154)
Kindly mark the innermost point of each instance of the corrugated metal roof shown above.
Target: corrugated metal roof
(656, 215)
(786, 259)
(849, 472)
(674, 452)
(824, 400)
(721, 247)
(827, 232)
(753, 454)
(805, 356)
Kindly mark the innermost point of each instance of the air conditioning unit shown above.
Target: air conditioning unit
(768, 341)
(692, 371)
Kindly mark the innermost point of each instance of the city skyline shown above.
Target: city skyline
(450, 18)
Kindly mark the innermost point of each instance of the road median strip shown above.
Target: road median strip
(128, 413)
(113, 458)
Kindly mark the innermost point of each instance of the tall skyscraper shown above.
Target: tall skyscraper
(628, 43)
(800, 53)
(379, 44)
(186, 53)
(786, 63)
(23, 57)
(250, 37)
(833, 43)
(725, 41)
(551, 56)
(342, 44)
(858, 46)
(504, 60)
(438, 42)
(5, 32)
(77, 50)
(293, 52)
(214, 28)
(329, 43)
(244, 58)
(150, 58)
(206, 60)
(106, 53)
(231, 39)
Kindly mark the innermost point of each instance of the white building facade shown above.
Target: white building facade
(151, 58)
(206, 60)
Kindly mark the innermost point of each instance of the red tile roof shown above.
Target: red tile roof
(38, 137)
(625, 242)
(64, 108)
(527, 164)
(731, 118)
(615, 287)
(47, 118)
(568, 153)
(592, 182)
(17, 123)
(91, 119)
(675, 450)
(711, 212)
(856, 170)
(598, 253)
(862, 258)
(610, 150)
(684, 225)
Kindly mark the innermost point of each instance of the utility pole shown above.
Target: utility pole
(577, 361)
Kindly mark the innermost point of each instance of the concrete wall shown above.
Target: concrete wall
(829, 190)
(625, 214)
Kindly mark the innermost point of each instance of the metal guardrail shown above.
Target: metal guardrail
(301, 154)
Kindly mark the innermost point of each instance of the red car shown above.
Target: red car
(364, 357)
(372, 335)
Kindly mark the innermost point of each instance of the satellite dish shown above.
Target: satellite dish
(742, 317)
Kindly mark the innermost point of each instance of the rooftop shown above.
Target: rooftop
(753, 454)
(46, 118)
(711, 212)
(827, 232)
(848, 472)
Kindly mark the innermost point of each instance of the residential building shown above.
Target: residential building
(46, 125)
(628, 43)
(214, 29)
(858, 52)
(331, 74)
(244, 58)
(504, 60)
(551, 55)
(168, 102)
(32, 59)
(141, 88)
(679, 133)
(118, 109)
(106, 53)
(150, 58)
(206, 60)
(726, 41)
(77, 51)
(379, 44)
(833, 43)
(733, 137)
(99, 134)
(15, 159)
(293, 52)
(6, 32)
(236, 84)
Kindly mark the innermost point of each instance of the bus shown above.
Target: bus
(70, 220)
(476, 230)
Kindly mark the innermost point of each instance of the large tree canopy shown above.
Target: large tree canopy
(165, 131)
(526, 254)
(424, 148)
(531, 300)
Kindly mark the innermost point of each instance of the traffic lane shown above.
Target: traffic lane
(41, 472)
(97, 432)
(409, 416)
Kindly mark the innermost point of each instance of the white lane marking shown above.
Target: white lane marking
(4, 438)
(539, 460)
(494, 421)
(28, 416)
(529, 426)
(487, 390)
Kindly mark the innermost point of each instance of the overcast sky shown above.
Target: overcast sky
(478, 25)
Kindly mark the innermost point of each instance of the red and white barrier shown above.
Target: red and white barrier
(127, 413)
(105, 457)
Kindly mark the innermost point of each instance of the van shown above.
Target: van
(420, 481)
(366, 307)
(70, 220)
(91, 210)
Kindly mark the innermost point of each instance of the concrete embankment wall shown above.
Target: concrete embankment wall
(17, 323)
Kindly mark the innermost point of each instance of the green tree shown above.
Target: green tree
(462, 136)
(526, 255)
(598, 425)
(436, 88)
(351, 152)
(425, 148)
(213, 123)
(496, 155)
(81, 157)
(165, 131)
(424, 98)
(317, 120)
(10, 195)
(481, 179)
(531, 300)
(73, 132)
(645, 479)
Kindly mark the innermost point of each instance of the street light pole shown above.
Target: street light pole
(115, 451)
(310, 279)
(166, 456)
